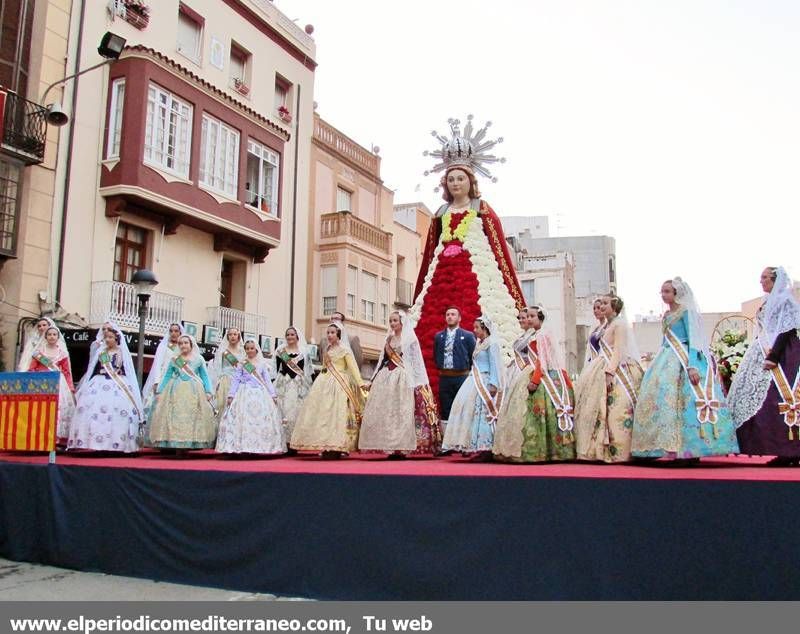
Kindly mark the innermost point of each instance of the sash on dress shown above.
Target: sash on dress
(561, 401)
(231, 358)
(492, 404)
(790, 393)
(706, 403)
(105, 362)
(621, 374)
(183, 365)
(352, 398)
(427, 397)
(292, 364)
(253, 370)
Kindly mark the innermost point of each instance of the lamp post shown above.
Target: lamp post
(144, 281)
(110, 49)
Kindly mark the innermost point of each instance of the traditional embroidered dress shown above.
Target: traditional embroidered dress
(766, 403)
(331, 414)
(674, 418)
(165, 352)
(183, 417)
(44, 358)
(292, 383)
(537, 426)
(222, 369)
(593, 345)
(400, 415)
(473, 416)
(109, 404)
(604, 419)
(252, 423)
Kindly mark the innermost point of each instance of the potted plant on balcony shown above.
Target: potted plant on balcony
(284, 114)
(137, 13)
(241, 87)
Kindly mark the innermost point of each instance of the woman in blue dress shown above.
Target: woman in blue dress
(470, 428)
(681, 413)
(184, 417)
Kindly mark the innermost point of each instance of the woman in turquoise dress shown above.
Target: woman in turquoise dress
(471, 426)
(184, 417)
(681, 413)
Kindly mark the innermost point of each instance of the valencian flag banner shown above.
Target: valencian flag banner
(28, 410)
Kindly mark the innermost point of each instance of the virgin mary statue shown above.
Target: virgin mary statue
(467, 263)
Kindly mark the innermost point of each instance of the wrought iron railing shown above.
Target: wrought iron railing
(118, 302)
(24, 129)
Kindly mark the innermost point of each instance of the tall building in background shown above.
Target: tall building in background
(188, 156)
(411, 224)
(549, 280)
(595, 264)
(33, 46)
(533, 226)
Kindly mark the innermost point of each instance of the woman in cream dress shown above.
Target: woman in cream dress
(331, 414)
(606, 391)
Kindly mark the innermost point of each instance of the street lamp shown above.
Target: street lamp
(110, 48)
(144, 281)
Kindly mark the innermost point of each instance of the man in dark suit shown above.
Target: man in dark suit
(453, 348)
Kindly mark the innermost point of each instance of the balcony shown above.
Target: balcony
(405, 293)
(343, 145)
(24, 129)
(344, 225)
(117, 302)
(223, 318)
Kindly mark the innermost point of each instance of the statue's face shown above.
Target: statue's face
(458, 183)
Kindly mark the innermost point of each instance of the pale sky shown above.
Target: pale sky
(671, 125)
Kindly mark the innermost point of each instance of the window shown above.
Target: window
(385, 300)
(9, 185)
(527, 292)
(330, 289)
(343, 199)
(369, 293)
(352, 286)
(115, 118)
(190, 33)
(263, 167)
(219, 157)
(240, 69)
(167, 142)
(282, 88)
(129, 252)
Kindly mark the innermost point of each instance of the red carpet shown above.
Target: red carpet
(734, 468)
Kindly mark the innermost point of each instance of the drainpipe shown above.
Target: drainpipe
(67, 154)
(294, 210)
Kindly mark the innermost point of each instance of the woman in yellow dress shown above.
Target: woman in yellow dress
(606, 391)
(331, 413)
(224, 366)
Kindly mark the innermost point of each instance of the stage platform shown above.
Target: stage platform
(367, 528)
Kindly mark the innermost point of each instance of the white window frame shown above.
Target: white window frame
(157, 151)
(352, 290)
(192, 55)
(266, 157)
(219, 157)
(343, 195)
(115, 118)
(369, 305)
(329, 276)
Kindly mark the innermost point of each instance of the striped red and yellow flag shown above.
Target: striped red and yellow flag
(28, 410)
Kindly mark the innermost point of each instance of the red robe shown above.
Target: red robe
(62, 366)
(454, 283)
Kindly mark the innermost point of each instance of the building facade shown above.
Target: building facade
(412, 221)
(189, 156)
(33, 47)
(595, 264)
(548, 280)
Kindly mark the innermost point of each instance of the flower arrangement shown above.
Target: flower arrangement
(729, 350)
(240, 86)
(284, 114)
(460, 232)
